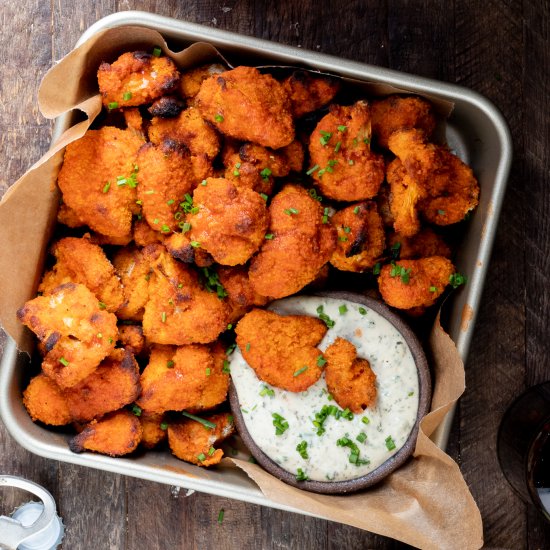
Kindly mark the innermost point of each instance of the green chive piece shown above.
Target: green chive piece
(362, 437)
(300, 371)
(218, 118)
(290, 211)
(300, 475)
(343, 309)
(211, 451)
(324, 317)
(64, 361)
(302, 449)
(225, 368)
(127, 96)
(203, 183)
(112, 105)
(312, 169)
(342, 128)
(265, 173)
(325, 137)
(102, 305)
(165, 229)
(107, 187)
(365, 420)
(321, 361)
(157, 51)
(247, 347)
(410, 394)
(195, 244)
(337, 147)
(136, 410)
(390, 444)
(269, 236)
(163, 317)
(164, 426)
(170, 364)
(201, 457)
(208, 371)
(205, 423)
(281, 425)
(185, 227)
(376, 269)
(267, 391)
(457, 279)
(264, 196)
(433, 289)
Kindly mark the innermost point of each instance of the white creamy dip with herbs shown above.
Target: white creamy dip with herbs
(376, 434)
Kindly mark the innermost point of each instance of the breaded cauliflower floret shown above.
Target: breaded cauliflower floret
(191, 80)
(165, 176)
(255, 167)
(116, 434)
(114, 384)
(230, 223)
(45, 402)
(80, 261)
(136, 78)
(309, 91)
(282, 349)
(350, 380)
(299, 242)
(91, 180)
(408, 284)
(179, 311)
(396, 113)
(361, 238)
(194, 442)
(154, 429)
(343, 165)
(247, 105)
(76, 334)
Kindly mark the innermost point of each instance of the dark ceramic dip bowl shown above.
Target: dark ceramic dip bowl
(393, 462)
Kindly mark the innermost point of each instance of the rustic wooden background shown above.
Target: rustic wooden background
(499, 48)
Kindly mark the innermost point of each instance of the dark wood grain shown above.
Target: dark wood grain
(500, 49)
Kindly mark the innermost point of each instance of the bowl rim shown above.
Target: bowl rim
(393, 462)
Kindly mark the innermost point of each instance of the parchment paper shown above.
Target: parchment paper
(426, 503)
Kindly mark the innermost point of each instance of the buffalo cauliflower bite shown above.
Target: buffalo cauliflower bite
(308, 91)
(114, 384)
(408, 284)
(76, 334)
(165, 176)
(255, 167)
(350, 380)
(191, 80)
(80, 261)
(45, 402)
(179, 246)
(194, 441)
(230, 223)
(179, 311)
(245, 104)
(154, 429)
(361, 238)
(282, 349)
(396, 113)
(343, 165)
(299, 242)
(116, 434)
(136, 78)
(179, 378)
(98, 180)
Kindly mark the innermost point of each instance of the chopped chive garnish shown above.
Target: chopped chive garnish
(410, 394)
(291, 211)
(365, 420)
(170, 364)
(324, 317)
(441, 212)
(342, 128)
(269, 236)
(343, 309)
(64, 361)
(267, 391)
(225, 368)
(211, 451)
(342, 238)
(127, 96)
(300, 371)
(201, 457)
(390, 444)
(265, 173)
(107, 187)
(247, 347)
(205, 423)
(312, 169)
(203, 183)
(102, 305)
(208, 371)
(170, 202)
(156, 221)
(346, 229)
(163, 317)
(185, 227)
(325, 137)
(337, 147)
(264, 196)
(157, 51)
(350, 162)
(325, 215)
(376, 269)
(354, 451)
(302, 449)
(229, 326)
(218, 118)
(281, 425)
(112, 105)
(136, 410)
(164, 426)
(230, 349)
(356, 210)
(195, 244)
(362, 311)
(362, 437)
(165, 229)
(321, 361)
(300, 475)
(433, 289)
(457, 279)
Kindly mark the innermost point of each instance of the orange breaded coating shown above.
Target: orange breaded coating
(136, 78)
(76, 334)
(396, 113)
(154, 429)
(241, 296)
(231, 221)
(193, 442)
(134, 121)
(215, 391)
(361, 238)
(176, 378)
(247, 105)
(343, 165)
(297, 247)
(179, 246)
(45, 402)
(179, 311)
(114, 384)
(191, 80)
(133, 267)
(131, 338)
(145, 235)
(165, 176)
(410, 284)
(80, 261)
(67, 216)
(350, 380)
(309, 91)
(91, 178)
(282, 348)
(255, 167)
(116, 434)
(425, 243)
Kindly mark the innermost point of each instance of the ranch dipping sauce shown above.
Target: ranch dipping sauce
(344, 445)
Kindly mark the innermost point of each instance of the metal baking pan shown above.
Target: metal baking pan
(476, 131)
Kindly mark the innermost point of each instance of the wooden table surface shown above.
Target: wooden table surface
(500, 49)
